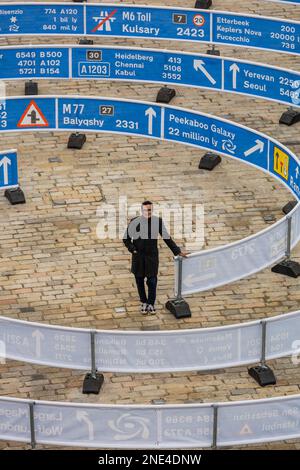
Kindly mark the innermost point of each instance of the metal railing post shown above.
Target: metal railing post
(289, 238)
(215, 427)
(179, 277)
(93, 355)
(32, 428)
(263, 342)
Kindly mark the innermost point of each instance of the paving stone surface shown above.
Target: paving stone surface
(54, 269)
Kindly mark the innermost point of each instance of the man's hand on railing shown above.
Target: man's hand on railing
(184, 253)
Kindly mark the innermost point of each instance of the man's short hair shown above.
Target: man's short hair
(147, 203)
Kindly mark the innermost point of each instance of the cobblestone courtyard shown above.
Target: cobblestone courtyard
(54, 269)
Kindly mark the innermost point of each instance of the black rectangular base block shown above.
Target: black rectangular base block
(92, 384)
(15, 196)
(204, 4)
(290, 117)
(209, 161)
(31, 88)
(165, 95)
(287, 268)
(289, 207)
(179, 308)
(76, 141)
(263, 375)
(213, 52)
(85, 41)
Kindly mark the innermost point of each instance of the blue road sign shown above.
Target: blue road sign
(293, 2)
(217, 135)
(43, 18)
(78, 113)
(109, 116)
(259, 80)
(28, 114)
(257, 32)
(151, 65)
(147, 65)
(284, 166)
(163, 23)
(8, 169)
(34, 62)
(150, 22)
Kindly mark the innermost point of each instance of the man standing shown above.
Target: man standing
(141, 241)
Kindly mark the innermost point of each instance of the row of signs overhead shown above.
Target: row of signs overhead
(151, 22)
(115, 63)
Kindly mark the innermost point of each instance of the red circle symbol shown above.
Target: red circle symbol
(198, 20)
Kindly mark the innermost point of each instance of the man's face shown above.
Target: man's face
(147, 211)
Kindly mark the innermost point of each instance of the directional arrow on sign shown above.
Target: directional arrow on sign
(234, 68)
(191, 280)
(199, 65)
(83, 417)
(151, 114)
(5, 162)
(258, 147)
(38, 336)
(297, 172)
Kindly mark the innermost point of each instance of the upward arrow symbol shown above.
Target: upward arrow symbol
(38, 336)
(234, 68)
(151, 114)
(5, 162)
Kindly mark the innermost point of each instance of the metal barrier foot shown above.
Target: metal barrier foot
(287, 268)
(179, 308)
(92, 383)
(289, 207)
(290, 117)
(263, 375)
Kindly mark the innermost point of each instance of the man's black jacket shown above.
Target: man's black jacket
(141, 240)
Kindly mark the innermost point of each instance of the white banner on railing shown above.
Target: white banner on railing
(283, 336)
(14, 420)
(46, 344)
(212, 268)
(150, 427)
(142, 352)
(201, 349)
(259, 421)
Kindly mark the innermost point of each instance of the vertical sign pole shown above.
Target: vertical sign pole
(32, 428)
(179, 279)
(289, 238)
(215, 427)
(93, 355)
(263, 343)
(263, 374)
(93, 381)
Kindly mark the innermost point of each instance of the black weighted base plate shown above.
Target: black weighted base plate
(289, 207)
(92, 383)
(209, 161)
(203, 4)
(213, 52)
(287, 268)
(290, 117)
(86, 41)
(179, 308)
(15, 196)
(76, 141)
(31, 88)
(165, 95)
(263, 375)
